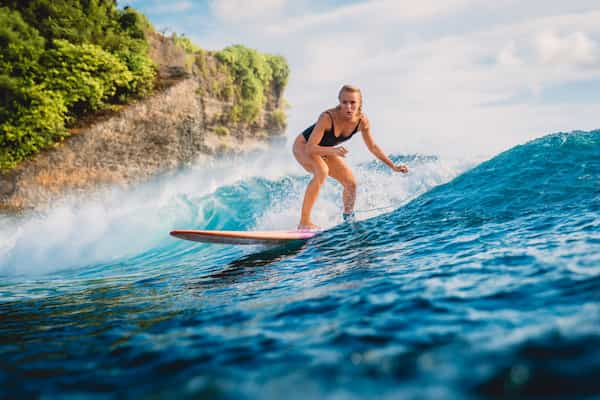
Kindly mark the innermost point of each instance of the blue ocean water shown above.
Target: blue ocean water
(465, 280)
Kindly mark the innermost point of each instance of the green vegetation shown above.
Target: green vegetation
(222, 131)
(185, 44)
(61, 59)
(247, 79)
(250, 77)
(85, 75)
(278, 119)
(189, 48)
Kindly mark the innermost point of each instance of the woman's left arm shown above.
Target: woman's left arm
(376, 150)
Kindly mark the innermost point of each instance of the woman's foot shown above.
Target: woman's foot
(308, 227)
(349, 217)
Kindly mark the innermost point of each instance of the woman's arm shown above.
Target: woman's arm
(376, 150)
(313, 147)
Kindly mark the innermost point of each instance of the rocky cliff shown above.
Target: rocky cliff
(193, 113)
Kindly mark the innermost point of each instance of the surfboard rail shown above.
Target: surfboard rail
(242, 237)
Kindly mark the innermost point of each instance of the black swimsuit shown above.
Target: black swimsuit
(329, 139)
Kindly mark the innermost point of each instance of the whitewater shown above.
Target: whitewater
(464, 279)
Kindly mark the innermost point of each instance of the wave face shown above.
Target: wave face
(459, 281)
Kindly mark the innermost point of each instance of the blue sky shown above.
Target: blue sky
(453, 76)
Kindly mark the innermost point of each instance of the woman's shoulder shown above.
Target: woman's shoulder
(327, 116)
(364, 121)
(330, 112)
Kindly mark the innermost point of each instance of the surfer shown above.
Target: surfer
(317, 151)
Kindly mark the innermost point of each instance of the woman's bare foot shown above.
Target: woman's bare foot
(308, 227)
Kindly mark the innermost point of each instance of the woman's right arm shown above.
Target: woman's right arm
(313, 147)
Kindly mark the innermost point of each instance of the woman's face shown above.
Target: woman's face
(349, 103)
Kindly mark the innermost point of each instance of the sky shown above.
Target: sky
(460, 77)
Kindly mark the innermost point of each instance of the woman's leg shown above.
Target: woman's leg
(315, 165)
(339, 170)
(320, 172)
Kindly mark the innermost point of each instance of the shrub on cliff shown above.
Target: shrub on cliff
(73, 20)
(32, 119)
(254, 75)
(20, 46)
(142, 71)
(131, 47)
(277, 120)
(280, 72)
(186, 44)
(84, 75)
(60, 59)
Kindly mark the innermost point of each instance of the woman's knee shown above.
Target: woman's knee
(321, 173)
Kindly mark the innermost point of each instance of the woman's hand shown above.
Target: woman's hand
(340, 151)
(400, 168)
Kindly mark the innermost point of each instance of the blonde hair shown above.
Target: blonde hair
(352, 89)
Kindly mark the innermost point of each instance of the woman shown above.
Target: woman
(315, 149)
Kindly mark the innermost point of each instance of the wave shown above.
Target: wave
(553, 175)
(562, 169)
(536, 204)
(122, 227)
(542, 184)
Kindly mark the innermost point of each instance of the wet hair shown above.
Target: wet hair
(352, 89)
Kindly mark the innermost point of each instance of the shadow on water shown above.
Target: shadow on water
(247, 265)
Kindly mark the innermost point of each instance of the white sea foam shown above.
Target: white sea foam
(379, 191)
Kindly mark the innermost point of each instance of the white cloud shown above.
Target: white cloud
(244, 10)
(169, 7)
(439, 90)
(334, 59)
(508, 56)
(367, 13)
(574, 48)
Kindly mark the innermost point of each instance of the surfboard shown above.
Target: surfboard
(243, 237)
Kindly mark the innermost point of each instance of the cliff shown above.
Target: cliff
(199, 109)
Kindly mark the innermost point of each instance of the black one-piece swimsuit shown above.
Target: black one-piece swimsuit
(329, 139)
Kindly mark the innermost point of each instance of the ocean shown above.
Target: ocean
(465, 279)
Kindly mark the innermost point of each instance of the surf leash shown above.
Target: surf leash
(375, 209)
